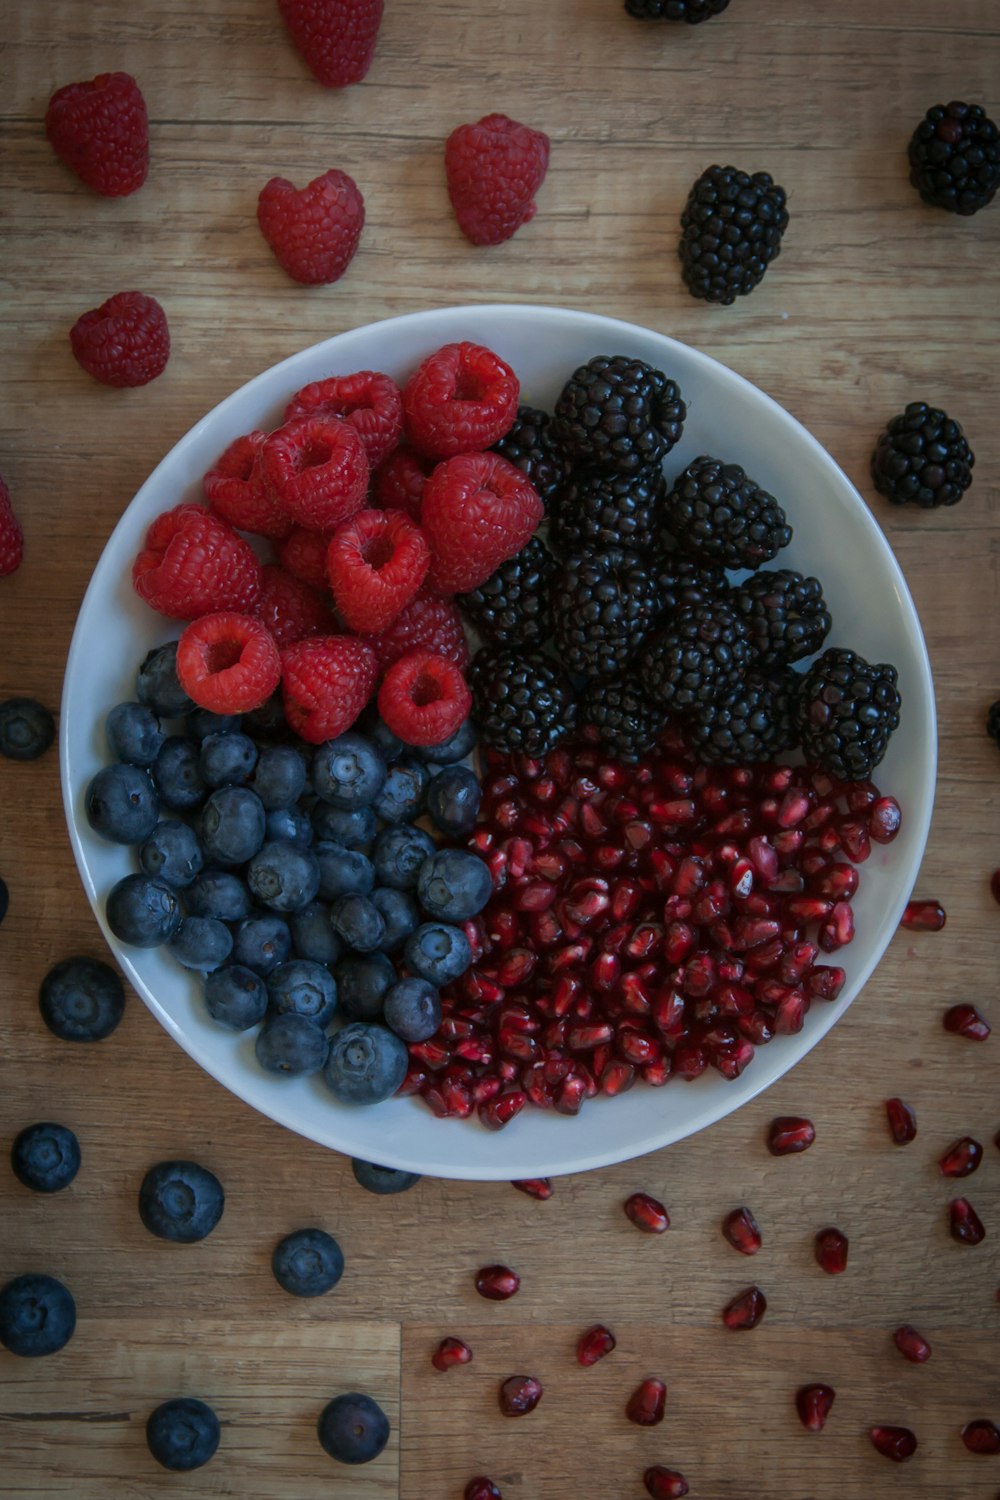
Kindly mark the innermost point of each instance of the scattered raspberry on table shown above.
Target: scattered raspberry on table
(11, 535)
(335, 37)
(100, 129)
(313, 231)
(124, 342)
(494, 169)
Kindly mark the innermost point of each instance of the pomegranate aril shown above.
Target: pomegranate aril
(497, 1283)
(656, 1074)
(964, 1223)
(481, 1488)
(923, 916)
(838, 929)
(583, 1038)
(962, 1158)
(897, 1443)
(414, 1080)
(757, 1027)
(451, 1352)
(797, 962)
(647, 1213)
(831, 1251)
(745, 1310)
(902, 1121)
(432, 1054)
(981, 1436)
(813, 1404)
(965, 1020)
(585, 901)
(668, 1012)
(839, 882)
(569, 1095)
(535, 896)
(690, 1060)
(679, 939)
(519, 1394)
(764, 857)
(742, 1231)
(665, 1484)
(734, 1061)
(646, 1404)
(912, 1345)
(854, 839)
(633, 996)
(825, 982)
(790, 1013)
(741, 878)
(884, 819)
(637, 1047)
(594, 1344)
(485, 1088)
(535, 1187)
(789, 1134)
(497, 1112)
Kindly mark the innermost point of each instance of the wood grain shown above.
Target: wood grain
(876, 300)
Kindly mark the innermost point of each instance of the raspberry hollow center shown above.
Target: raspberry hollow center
(221, 655)
(314, 455)
(425, 690)
(378, 551)
(468, 387)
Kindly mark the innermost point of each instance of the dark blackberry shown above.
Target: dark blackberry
(594, 510)
(751, 725)
(785, 614)
(627, 722)
(922, 458)
(717, 514)
(530, 447)
(955, 158)
(993, 721)
(846, 711)
(731, 231)
(618, 414)
(691, 11)
(520, 700)
(682, 580)
(512, 606)
(699, 656)
(603, 603)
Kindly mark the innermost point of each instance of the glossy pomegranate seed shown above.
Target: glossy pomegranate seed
(995, 885)
(734, 1061)
(961, 1159)
(569, 1095)
(497, 1112)
(451, 1352)
(854, 839)
(964, 1223)
(897, 1443)
(647, 1213)
(689, 1060)
(965, 1020)
(912, 1345)
(742, 1231)
(646, 1404)
(519, 1394)
(923, 916)
(981, 1436)
(902, 1121)
(595, 1344)
(745, 1310)
(535, 1187)
(831, 1251)
(813, 1404)
(884, 819)
(789, 1134)
(482, 1488)
(497, 1283)
(665, 1484)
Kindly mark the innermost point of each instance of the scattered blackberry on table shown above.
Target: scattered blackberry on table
(955, 158)
(753, 724)
(596, 510)
(731, 231)
(520, 700)
(717, 514)
(618, 414)
(691, 11)
(785, 614)
(603, 605)
(922, 458)
(684, 580)
(530, 447)
(697, 658)
(627, 722)
(846, 711)
(512, 606)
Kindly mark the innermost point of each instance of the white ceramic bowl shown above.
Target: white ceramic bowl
(835, 537)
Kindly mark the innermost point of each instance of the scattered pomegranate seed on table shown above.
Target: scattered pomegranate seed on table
(647, 1213)
(497, 1283)
(813, 1404)
(451, 1352)
(745, 1310)
(981, 1436)
(902, 1121)
(897, 1443)
(923, 916)
(912, 1345)
(519, 1394)
(595, 1344)
(665, 1484)
(647, 1403)
(962, 1158)
(482, 1488)
(535, 1187)
(995, 885)
(965, 1020)
(789, 1134)
(964, 1223)
(831, 1251)
(742, 1231)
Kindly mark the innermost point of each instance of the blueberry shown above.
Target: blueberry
(172, 852)
(279, 778)
(202, 943)
(402, 797)
(400, 914)
(81, 999)
(4, 898)
(307, 1263)
(363, 981)
(413, 1009)
(262, 943)
(180, 1201)
(388, 744)
(284, 877)
(453, 885)
(353, 827)
(231, 825)
(366, 1064)
(382, 1180)
(218, 893)
(37, 1315)
(399, 854)
(453, 799)
(353, 1428)
(437, 952)
(134, 733)
(456, 747)
(227, 759)
(236, 997)
(292, 1045)
(45, 1157)
(182, 1434)
(27, 729)
(287, 825)
(143, 912)
(176, 775)
(358, 922)
(312, 935)
(348, 771)
(201, 722)
(303, 988)
(121, 804)
(157, 683)
(342, 872)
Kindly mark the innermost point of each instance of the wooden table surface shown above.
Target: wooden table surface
(876, 300)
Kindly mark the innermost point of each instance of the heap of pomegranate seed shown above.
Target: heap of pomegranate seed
(912, 1345)
(902, 1121)
(595, 1344)
(740, 1228)
(647, 1403)
(813, 1404)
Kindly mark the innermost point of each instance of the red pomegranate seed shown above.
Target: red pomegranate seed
(861, 795)
(961, 1159)
(995, 885)
(789, 1134)
(884, 819)
(912, 1345)
(616, 1077)
(897, 1443)
(902, 1121)
(854, 839)
(981, 1436)
(583, 1038)
(658, 1073)
(519, 1394)
(665, 1484)
(813, 1404)
(595, 1344)
(451, 1352)
(482, 1488)
(742, 1231)
(825, 982)
(535, 1187)
(497, 1283)
(745, 1310)
(965, 1224)
(965, 1020)
(735, 1061)
(923, 916)
(569, 1095)
(646, 1404)
(432, 1054)
(689, 1060)
(497, 1112)
(831, 1251)
(839, 882)
(838, 929)
(647, 1213)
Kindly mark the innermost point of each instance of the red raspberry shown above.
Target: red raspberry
(11, 535)
(478, 510)
(398, 482)
(325, 683)
(303, 553)
(235, 490)
(313, 231)
(125, 341)
(428, 623)
(336, 37)
(101, 130)
(494, 169)
(461, 399)
(424, 698)
(194, 564)
(317, 470)
(375, 563)
(372, 403)
(228, 663)
(290, 609)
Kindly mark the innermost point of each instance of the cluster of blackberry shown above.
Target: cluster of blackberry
(629, 617)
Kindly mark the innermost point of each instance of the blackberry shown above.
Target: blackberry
(955, 158)
(922, 458)
(618, 414)
(691, 11)
(520, 700)
(627, 722)
(603, 603)
(681, 580)
(731, 231)
(717, 514)
(785, 614)
(993, 721)
(698, 657)
(751, 725)
(530, 447)
(595, 510)
(512, 606)
(846, 711)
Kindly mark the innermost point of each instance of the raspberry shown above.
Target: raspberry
(303, 553)
(428, 623)
(375, 563)
(478, 510)
(372, 403)
(461, 399)
(494, 169)
(325, 683)
(290, 609)
(194, 564)
(11, 535)
(424, 698)
(398, 482)
(100, 129)
(317, 470)
(335, 37)
(313, 231)
(125, 341)
(228, 663)
(235, 490)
